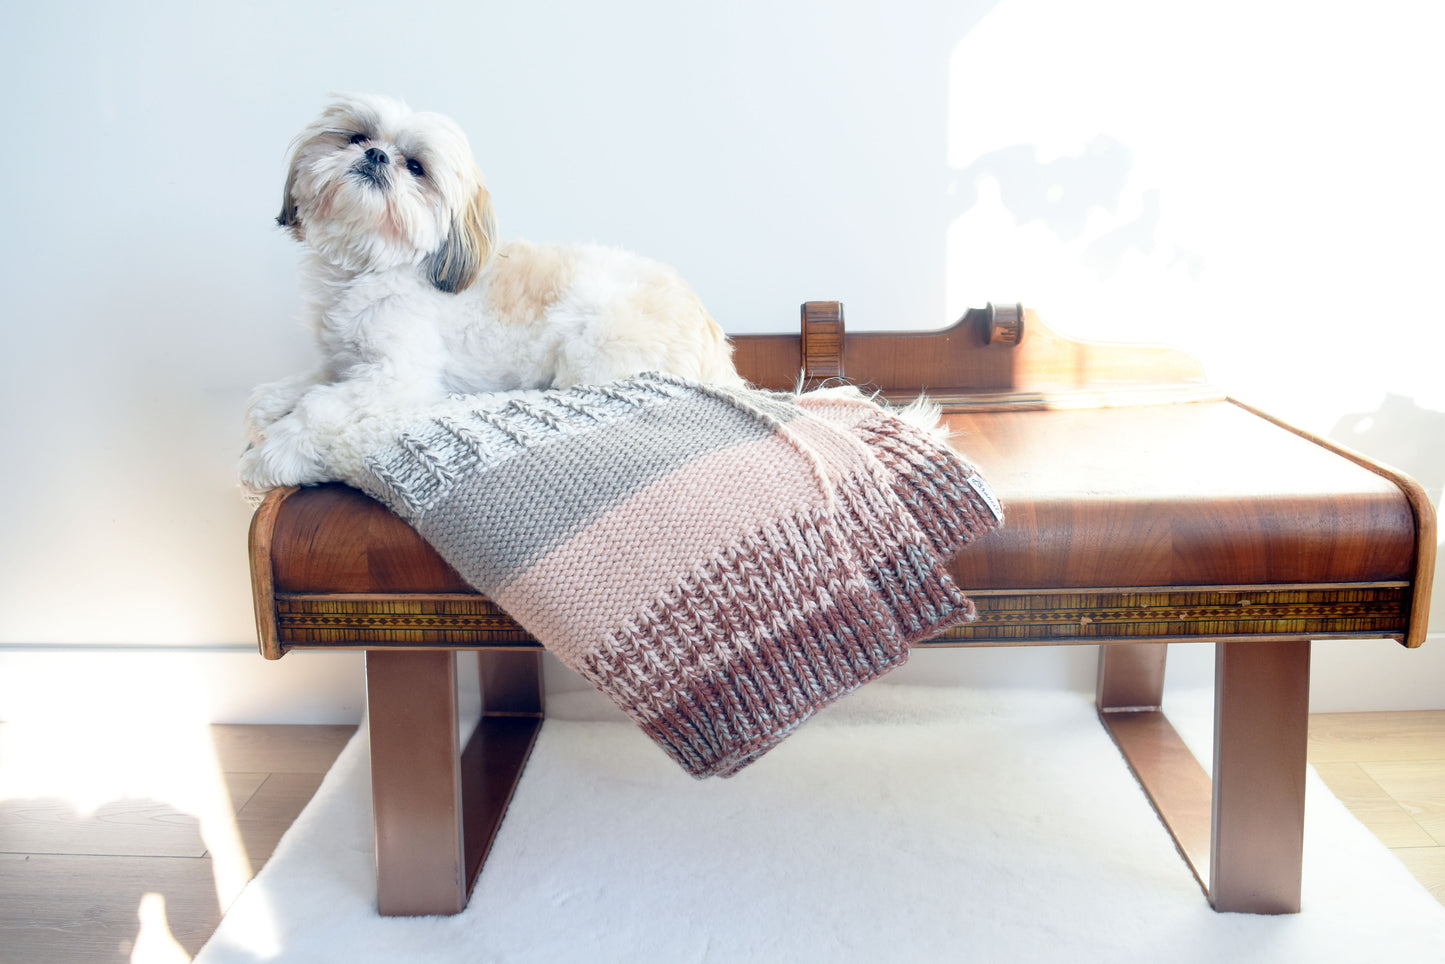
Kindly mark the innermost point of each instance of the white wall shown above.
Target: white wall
(1257, 181)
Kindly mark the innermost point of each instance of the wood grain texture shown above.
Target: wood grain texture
(1426, 525)
(270, 810)
(263, 583)
(332, 538)
(1194, 494)
(131, 826)
(63, 909)
(1402, 735)
(822, 342)
(81, 901)
(1346, 747)
(1385, 816)
(1418, 786)
(278, 747)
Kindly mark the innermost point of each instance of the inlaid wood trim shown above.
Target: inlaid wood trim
(396, 620)
(1183, 613)
(472, 621)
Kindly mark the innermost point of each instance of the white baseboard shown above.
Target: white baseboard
(214, 684)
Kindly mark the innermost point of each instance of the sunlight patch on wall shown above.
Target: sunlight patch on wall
(1255, 181)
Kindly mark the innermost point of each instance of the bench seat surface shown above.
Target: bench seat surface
(1169, 522)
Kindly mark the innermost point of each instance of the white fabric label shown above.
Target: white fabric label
(986, 494)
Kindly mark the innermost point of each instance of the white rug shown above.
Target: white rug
(904, 824)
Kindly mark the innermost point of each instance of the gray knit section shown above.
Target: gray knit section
(501, 522)
(462, 437)
(496, 489)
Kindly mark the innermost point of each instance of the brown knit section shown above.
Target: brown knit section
(901, 561)
(932, 479)
(773, 629)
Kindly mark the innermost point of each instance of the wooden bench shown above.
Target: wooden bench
(1143, 508)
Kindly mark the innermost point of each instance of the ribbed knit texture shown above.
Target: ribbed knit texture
(721, 563)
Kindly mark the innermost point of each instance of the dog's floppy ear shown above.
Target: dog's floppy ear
(287, 217)
(468, 246)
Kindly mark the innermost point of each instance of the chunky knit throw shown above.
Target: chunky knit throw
(721, 563)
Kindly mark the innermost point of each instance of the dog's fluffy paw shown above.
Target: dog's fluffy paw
(286, 455)
(272, 402)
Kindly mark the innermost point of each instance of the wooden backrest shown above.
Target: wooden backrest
(994, 355)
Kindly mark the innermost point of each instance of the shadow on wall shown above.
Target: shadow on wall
(1410, 438)
(1060, 193)
(1402, 434)
(1064, 193)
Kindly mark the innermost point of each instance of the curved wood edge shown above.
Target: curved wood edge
(263, 578)
(1420, 507)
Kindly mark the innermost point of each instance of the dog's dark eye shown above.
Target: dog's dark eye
(359, 139)
(415, 168)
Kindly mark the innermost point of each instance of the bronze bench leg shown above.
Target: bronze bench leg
(1261, 738)
(1242, 834)
(437, 806)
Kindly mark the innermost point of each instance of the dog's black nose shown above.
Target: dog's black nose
(377, 156)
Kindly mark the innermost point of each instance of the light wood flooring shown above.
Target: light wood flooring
(91, 886)
(1389, 769)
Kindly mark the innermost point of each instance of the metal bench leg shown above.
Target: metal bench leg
(416, 785)
(494, 758)
(1242, 834)
(1261, 736)
(438, 807)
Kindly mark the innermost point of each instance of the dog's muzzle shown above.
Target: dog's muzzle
(374, 168)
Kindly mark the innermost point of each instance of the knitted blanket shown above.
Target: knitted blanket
(721, 563)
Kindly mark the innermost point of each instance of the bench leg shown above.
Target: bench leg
(411, 700)
(438, 806)
(1261, 738)
(1242, 834)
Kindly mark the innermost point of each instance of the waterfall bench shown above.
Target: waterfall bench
(1143, 509)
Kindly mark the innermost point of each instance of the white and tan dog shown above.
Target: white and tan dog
(412, 297)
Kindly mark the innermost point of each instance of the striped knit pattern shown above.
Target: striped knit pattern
(721, 563)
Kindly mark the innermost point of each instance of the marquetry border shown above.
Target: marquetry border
(375, 621)
(472, 621)
(1183, 613)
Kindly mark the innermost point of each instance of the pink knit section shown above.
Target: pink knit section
(842, 412)
(842, 453)
(625, 559)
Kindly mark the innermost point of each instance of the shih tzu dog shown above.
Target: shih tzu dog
(412, 297)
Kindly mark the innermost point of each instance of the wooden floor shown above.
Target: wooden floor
(1389, 769)
(136, 876)
(82, 887)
